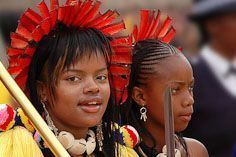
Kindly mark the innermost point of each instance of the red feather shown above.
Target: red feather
(71, 2)
(99, 19)
(122, 49)
(28, 23)
(21, 30)
(121, 40)
(44, 9)
(107, 21)
(21, 81)
(33, 16)
(17, 61)
(38, 33)
(155, 25)
(118, 70)
(14, 70)
(92, 13)
(164, 29)
(84, 10)
(74, 12)
(46, 25)
(135, 32)
(30, 51)
(68, 10)
(53, 16)
(61, 13)
(170, 35)
(143, 23)
(13, 52)
(118, 82)
(150, 24)
(113, 28)
(18, 41)
(149, 27)
(54, 4)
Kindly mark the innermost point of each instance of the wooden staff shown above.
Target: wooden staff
(169, 125)
(40, 125)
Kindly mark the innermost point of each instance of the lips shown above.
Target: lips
(91, 105)
(186, 117)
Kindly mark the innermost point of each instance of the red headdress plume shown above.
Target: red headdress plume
(150, 27)
(120, 68)
(33, 27)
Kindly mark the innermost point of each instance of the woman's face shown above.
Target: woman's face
(82, 93)
(176, 72)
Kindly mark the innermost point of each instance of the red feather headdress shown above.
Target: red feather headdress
(150, 27)
(33, 27)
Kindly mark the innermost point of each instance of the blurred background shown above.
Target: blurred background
(209, 42)
(187, 36)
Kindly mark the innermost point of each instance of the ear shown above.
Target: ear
(139, 96)
(42, 91)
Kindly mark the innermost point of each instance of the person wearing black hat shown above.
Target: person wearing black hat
(213, 122)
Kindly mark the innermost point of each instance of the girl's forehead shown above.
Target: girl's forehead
(172, 68)
(89, 57)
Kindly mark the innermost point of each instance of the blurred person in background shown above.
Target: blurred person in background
(213, 122)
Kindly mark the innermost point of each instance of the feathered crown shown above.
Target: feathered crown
(150, 27)
(32, 27)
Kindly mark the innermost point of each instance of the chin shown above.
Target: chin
(92, 121)
(180, 128)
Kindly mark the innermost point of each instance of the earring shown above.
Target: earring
(143, 112)
(49, 120)
(99, 135)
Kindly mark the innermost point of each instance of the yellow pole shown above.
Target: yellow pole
(40, 125)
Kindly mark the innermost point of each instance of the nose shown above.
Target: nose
(90, 87)
(188, 99)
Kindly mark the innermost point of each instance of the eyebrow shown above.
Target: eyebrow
(81, 71)
(182, 82)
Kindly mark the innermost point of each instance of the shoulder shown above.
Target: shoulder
(196, 148)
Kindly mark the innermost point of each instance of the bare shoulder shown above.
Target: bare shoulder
(196, 148)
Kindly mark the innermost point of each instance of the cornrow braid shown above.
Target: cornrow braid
(147, 54)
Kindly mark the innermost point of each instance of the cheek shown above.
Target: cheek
(67, 96)
(155, 110)
(69, 92)
(175, 104)
(105, 92)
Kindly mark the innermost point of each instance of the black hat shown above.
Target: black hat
(203, 9)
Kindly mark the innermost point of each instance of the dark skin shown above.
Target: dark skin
(179, 77)
(80, 86)
(221, 30)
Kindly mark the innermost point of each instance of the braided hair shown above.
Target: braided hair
(146, 55)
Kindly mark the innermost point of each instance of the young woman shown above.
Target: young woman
(156, 66)
(61, 59)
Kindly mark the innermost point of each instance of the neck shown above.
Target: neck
(224, 50)
(158, 133)
(78, 133)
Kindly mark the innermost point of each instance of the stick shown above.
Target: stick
(169, 125)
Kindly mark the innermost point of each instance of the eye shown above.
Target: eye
(102, 77)
(73, 79)
(174, 90)
(191, 88)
